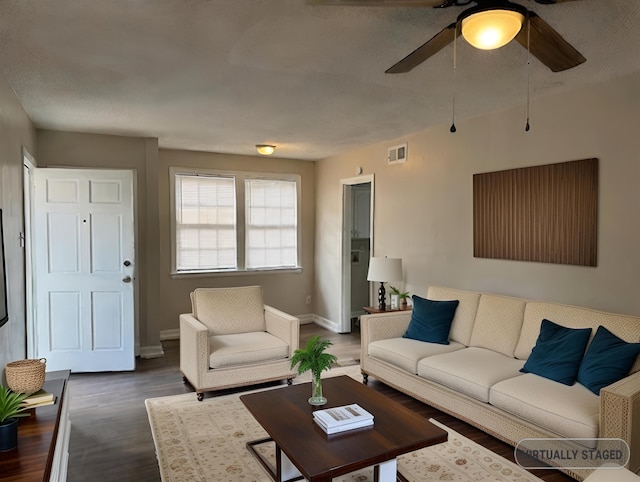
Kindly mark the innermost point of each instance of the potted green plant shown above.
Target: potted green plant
(10, 409)
(402, 296)
(313, 357)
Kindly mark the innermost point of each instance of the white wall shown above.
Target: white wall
(16, 131)
(423, 208)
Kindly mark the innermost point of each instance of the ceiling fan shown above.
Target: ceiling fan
(530, 30)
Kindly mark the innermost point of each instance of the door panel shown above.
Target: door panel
(64, 321)
(83, 231)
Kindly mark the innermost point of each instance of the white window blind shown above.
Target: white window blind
(205, 223)
(271, 224)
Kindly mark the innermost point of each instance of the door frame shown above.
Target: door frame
(28, 164)
(344, 325)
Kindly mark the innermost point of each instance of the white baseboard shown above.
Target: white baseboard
(151, 351)
(326, 324)
(306, 319)
(173, 334)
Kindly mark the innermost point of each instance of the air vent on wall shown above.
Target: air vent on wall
(397, 154)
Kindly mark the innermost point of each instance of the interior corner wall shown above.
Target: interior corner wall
(97, 151)
(16, 132)
(424, 207)
(284, 291)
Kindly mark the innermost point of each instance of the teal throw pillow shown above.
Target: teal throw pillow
(431, 320)
(558, 352)
(608, 359)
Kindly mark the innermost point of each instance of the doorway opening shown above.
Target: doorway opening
(357, 245)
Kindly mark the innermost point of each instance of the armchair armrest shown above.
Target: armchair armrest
(620, 414)
(284, 326)
(382, 326)
(194, 348)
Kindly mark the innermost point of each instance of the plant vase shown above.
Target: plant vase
(8, 434)
(316, 391)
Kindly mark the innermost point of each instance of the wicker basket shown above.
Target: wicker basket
(26, 376)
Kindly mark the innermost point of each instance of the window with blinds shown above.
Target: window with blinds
(271, 224)
(205, 223)
(234, 221)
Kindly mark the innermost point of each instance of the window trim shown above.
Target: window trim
(240, 177)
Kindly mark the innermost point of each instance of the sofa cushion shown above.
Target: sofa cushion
(465, 316)
(608, 359)
(229, 310)
(558, 352)
(569, 411)
(406, 353)
(471, 371)
(498, 323)
(623, 326)
(245, 349)
(431, 320)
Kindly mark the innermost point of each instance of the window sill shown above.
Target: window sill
(216, 274)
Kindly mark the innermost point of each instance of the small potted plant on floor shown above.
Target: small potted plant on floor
(313, 357)
(10, 409)
(401, 297)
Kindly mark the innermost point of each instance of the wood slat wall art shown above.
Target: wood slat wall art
(547, 214)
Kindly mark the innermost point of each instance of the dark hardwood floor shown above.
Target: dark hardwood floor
(110, 435)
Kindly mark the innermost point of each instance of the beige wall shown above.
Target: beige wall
(16, 131)
(423, 208)
(284, 291)
(69, 149)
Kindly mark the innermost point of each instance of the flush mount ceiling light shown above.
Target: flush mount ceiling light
(265, 149)
(489, 28)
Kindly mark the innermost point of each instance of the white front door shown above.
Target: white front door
(83, 238)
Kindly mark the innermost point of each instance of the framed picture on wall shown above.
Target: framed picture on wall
(4, 315)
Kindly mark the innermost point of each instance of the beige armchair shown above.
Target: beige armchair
(232, 339)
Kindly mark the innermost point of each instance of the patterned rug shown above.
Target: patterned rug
(205, 441)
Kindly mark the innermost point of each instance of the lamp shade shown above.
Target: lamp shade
(385, 269)
(491, 29)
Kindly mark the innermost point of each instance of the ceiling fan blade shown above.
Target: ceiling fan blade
(379, 3)
(426, 50)
(549, 46)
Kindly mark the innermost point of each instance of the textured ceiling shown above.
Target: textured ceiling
(223, 75)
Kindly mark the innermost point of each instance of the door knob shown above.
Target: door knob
(127, 263)
(127, 279)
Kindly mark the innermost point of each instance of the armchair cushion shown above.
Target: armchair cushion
(229, 310)
(245, 348)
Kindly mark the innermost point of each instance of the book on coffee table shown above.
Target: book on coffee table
(339, 419)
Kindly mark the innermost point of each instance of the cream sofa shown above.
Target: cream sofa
(476, 377)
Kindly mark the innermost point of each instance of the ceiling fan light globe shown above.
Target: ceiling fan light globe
(491, 29)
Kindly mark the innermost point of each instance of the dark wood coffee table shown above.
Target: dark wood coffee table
(303, 449)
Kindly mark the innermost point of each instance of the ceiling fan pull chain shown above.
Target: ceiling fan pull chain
(452, 129)
(527, 127)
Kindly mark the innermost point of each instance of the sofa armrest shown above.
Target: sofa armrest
(194, 348)
(284, 326)
(382, 326)
(620, 414)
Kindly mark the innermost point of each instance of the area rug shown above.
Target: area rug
(205, 441)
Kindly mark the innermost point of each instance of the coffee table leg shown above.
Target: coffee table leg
(285, 469)
(386, 471)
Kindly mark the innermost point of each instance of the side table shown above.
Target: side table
(370, 310)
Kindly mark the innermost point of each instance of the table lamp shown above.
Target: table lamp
(384, 269)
